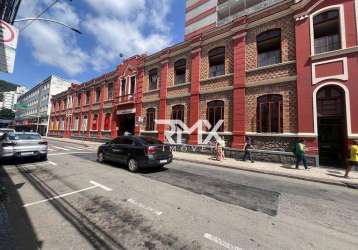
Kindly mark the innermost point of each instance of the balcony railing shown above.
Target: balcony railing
(125, 98)
(233, 9)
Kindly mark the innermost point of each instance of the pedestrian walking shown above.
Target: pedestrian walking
(300, 154)
(353, 159)
(220, 155)
(247, 148)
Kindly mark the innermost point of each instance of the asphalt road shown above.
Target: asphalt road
(73, 202)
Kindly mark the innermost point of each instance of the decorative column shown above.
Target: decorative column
(163, 98)
(138, 98)
(72, 114)
(115, 102)
(239, 79)
(194, 112)
(80, 119)
(90, 114)
(100, 115)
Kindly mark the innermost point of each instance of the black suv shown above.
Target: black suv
(136, 152)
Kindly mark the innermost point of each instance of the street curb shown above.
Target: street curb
(311, 179)
(74, 142)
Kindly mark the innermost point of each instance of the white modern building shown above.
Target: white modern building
(10, 97)
(204, 15)
(34, 107)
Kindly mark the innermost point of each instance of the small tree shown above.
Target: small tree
(7, 114)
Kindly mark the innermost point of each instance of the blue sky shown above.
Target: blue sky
(109, 27)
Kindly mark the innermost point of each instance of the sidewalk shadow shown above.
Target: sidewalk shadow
(94, 235)
(24, 234)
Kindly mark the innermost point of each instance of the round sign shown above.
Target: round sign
(7, 32)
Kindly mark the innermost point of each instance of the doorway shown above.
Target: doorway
(332, 129)
(126, 123)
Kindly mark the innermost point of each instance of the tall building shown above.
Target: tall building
(200, 16)
(204, 15)
(33, 108)
(10, 97)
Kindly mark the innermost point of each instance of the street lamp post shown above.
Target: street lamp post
(47, 20)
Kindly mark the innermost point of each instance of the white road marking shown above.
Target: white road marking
(221, 242)
(80, 149)
(58, 196)
(73, 153)
(52, 163)
(138, 204)
(95, 185)
(50, 149)
(101, 186)
(64, 149)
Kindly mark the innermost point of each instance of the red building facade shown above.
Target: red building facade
(285, 72)
(99, 109)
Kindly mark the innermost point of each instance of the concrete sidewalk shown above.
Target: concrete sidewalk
(333, 176)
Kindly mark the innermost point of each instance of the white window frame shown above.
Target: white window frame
(340, 9)
(130, 84)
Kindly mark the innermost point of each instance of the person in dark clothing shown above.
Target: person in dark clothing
(300, 154)
(247, 147)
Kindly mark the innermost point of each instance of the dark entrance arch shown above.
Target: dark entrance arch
(332, 125)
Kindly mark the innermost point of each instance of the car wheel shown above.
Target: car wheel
(133, 165)
(100, 157)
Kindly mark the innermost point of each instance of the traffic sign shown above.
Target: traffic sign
(8, 45)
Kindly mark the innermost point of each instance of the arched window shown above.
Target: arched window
(217, 62)
(215, 113)
(150, 121)
(269, 48)
(180, 70)
(178, 112)
(269, 114)
(153, 79)
(330, 102)
(327, 31)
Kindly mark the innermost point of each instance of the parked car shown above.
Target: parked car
(136, 152)
(6, 130)
(23, 144)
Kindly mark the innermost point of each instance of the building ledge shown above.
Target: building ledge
(273, 66)
(339, 52)
(151, 91)
(218, 90)
(287, 134)
(272, 81)
(178, 96)
(216, 78)
(177, 86)
(151, 100)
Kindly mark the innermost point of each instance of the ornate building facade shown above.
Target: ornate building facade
(274, 71)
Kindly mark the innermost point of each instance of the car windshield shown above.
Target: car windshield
(150, 140)
(3, 131)
(24, 137)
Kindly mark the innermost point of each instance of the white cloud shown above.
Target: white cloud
(51, 43)
(142, 29)
(111, 27)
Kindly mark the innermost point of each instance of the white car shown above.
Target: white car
(6, 130)
(23, 144)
